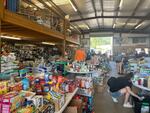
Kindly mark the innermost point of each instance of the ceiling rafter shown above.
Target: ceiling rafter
(146, 27)
(115, 30)
(116, 13)
(134, 11)
(102, 9)
(79, 13)
(50, 8)
(122, 17)
(93, 5)
(95, 11)
(140, 22)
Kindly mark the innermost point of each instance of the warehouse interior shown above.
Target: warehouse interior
(57, 56)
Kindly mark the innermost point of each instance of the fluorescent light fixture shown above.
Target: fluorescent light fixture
(48, 4)
(88, 27)
(34, 8)
(138, 26)
(61, 2)
(39, 4)
(71, 27)
(114, 25)
(75, 9)
(9, 37)
(48, 43)
(69, 30)
(30, 5)
(121, 2)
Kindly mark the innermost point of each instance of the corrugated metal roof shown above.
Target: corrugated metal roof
(95, 8)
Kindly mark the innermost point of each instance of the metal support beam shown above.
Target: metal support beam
(117, 30)
(102, 8)
(116, 13)
(52, 9)
(140, 22)
(146, 27)
(122, 17)
(93, 4)
(79, 13)
(133, 13)
(56, 7)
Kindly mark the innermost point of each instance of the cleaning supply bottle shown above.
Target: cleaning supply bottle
(148, 82)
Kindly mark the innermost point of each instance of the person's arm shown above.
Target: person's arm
(132, 93)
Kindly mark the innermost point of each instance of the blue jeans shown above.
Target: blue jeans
(116, 94)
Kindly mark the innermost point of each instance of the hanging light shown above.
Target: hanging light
(138, 26)
(73, 6)
(48, 43)
(9, 37)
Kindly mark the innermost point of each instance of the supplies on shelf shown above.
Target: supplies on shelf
(49, 108)
(87, 103)
(75, 106)
(9, 66)
(11, 101)
(3, 87)
(79, 67)
(145, 71)
(38, 87)
(85, 86)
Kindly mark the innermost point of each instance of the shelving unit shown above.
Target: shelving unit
(17, 24)
(69, 97)
(14, 24)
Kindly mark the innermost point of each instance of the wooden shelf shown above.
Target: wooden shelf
(16, 24)
(69, 40)
(69, 97)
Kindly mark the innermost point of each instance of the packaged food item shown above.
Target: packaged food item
(46, 109)
(38, 101)
(148, 82)
(28, 109)
(27, 94)
(3, 87)
(15, 87)
(25, 84)
(11, 101)
(46, 88)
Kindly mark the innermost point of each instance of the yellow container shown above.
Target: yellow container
(3, 87)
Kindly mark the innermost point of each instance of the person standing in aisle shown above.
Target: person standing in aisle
(125, 64)
(119, 63)
(122, 86)
(95, 60)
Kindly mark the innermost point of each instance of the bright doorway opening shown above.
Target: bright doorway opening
(102, 45)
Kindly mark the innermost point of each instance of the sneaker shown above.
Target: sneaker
(108, 90)
(127, 105)
(114, 100)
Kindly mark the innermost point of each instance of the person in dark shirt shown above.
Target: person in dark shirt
(122, 86)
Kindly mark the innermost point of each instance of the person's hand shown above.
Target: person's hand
(141, 98)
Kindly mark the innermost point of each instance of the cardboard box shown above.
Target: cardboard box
(76, 103)
(59, 103)
(46, 109)
(71, 109)
(100, 89)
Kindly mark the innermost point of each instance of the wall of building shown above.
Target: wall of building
(124, 43)
(85, 41)
(121, 42)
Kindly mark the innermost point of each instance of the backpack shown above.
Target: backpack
(111, 81)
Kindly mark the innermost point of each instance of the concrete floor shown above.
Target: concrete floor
(103, 102)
